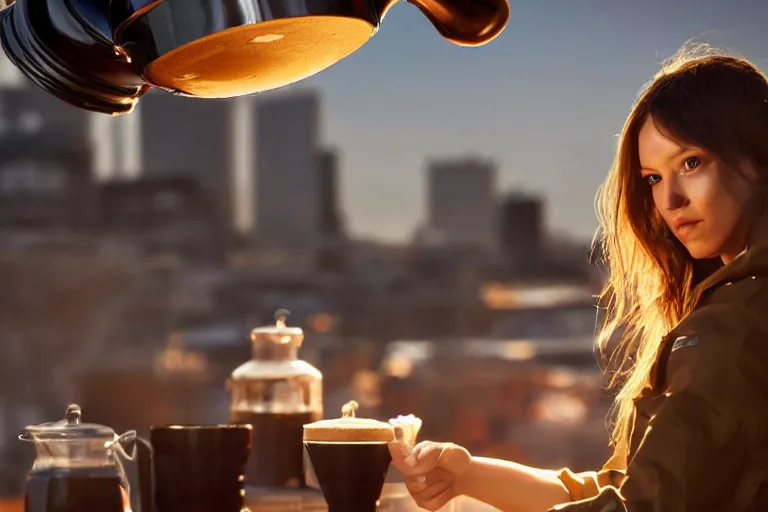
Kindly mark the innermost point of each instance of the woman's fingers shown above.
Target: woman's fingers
(418, 462)
(432, 492)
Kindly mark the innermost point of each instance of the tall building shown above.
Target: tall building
(45, 159)
(185, 134)
(117, 145)
(521, 226)
(180, 135)
(28, 110)
(45, 183)
(522, 237)
(163, 215)
(462, 202)
(287, 133)
(333, 255)
(329, 210)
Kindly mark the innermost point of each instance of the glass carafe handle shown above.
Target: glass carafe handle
(137, 452)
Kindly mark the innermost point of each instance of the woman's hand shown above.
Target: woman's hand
(432, 471)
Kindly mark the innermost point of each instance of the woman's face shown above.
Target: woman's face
(704, 203)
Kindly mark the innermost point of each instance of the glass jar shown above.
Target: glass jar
(277, 393)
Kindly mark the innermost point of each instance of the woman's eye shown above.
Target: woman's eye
(691, 163)
(653, 179)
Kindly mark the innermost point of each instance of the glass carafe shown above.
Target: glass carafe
(78, 467)
(277, 393)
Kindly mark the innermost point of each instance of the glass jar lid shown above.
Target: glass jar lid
(278, 333)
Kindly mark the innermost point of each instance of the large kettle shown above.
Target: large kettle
(102, 55)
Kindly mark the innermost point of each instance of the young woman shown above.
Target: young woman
(688, 184)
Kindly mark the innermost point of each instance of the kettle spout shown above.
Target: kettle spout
(462, 22)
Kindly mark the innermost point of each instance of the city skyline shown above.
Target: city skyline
(544, 102)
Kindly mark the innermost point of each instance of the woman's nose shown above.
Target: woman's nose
(673, 197)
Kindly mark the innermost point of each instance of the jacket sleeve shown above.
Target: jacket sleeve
(695, 448)
(589, 484)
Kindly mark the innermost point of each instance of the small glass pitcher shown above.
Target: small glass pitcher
(79, 467)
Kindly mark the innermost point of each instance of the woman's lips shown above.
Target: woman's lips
(685, 228)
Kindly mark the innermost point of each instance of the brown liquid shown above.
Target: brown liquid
(197, 484)
(199, 469)
(259, 57)
(57, 490)
(351, 475)
(277, 454)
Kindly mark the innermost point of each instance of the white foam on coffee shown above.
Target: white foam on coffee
(349, 429)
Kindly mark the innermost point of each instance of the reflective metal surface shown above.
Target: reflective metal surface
(462, 22)
(221, 48)
(65, 51)
(102, 55)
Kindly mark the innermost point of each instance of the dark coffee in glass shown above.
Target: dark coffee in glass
(81, 467)
(74, 490)
(350, 457)
(277, 458)
(199, 468)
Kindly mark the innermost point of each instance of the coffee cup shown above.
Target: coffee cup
(350, 457)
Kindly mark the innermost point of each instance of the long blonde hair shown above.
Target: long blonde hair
(702, 98)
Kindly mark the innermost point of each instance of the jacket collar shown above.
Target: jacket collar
(752, 261)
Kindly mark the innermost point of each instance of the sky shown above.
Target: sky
(545, 100)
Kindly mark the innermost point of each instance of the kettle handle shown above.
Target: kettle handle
(145, 475)
(140, 462)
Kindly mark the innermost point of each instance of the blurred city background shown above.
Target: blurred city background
(424, 212)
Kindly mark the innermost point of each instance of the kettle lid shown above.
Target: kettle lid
(71, 427)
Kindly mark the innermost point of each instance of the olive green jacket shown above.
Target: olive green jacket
(699, 440)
